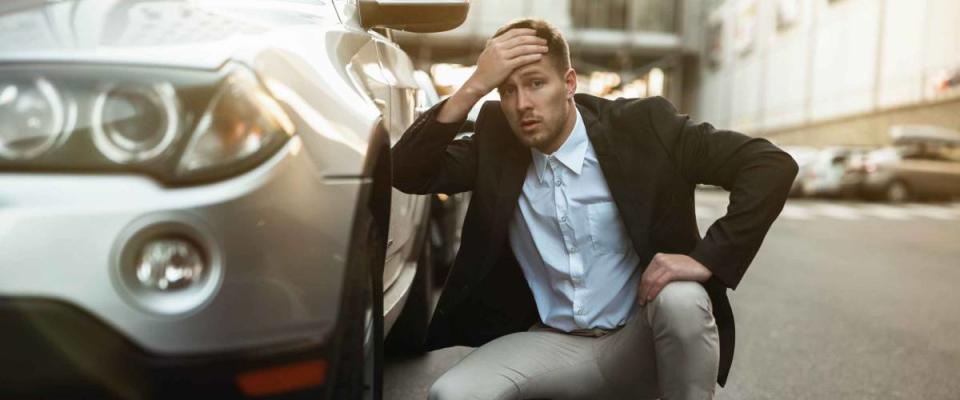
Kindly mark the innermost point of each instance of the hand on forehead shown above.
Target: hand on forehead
(505, 53)
(514, 32)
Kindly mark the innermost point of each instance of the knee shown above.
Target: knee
(478, 387)
(442, 389)
(683, 309)
(445, 389)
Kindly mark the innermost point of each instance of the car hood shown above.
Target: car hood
(196, 34)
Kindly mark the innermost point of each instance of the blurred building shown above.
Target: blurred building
(816, 72)
(627, 47)
(829, 71)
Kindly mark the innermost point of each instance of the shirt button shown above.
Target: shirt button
(563, 218)
(559, 182)
(573, 249)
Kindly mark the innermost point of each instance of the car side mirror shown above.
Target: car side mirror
(413, 15)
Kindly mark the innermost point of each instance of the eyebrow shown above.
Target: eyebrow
(523, 75)
(528, 73)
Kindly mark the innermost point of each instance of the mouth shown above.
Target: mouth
(529, 124)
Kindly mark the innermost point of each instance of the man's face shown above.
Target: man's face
(535, 99)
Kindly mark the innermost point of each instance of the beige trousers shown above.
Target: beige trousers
(668, 349)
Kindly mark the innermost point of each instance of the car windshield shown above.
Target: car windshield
(41, 25)
(924, 151)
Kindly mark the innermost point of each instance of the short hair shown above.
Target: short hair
(557, 50)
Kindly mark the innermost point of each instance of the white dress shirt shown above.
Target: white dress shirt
(570, 242)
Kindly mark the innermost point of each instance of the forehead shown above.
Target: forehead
(542, 67)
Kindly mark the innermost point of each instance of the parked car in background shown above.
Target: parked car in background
(195, 196)
(827, 174)
(804, 156)
(922, 163)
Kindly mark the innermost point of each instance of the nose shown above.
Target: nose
(523, 100)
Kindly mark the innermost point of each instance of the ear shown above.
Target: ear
(570, 79)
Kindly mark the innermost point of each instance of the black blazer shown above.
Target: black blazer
(652, 158)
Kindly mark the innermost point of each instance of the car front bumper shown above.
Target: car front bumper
(52, 349)
(278, 236)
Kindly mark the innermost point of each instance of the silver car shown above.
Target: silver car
(195, 196)
(922, 163)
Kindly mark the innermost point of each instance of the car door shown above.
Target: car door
(951, 181)
(941, 172)
(924, 172)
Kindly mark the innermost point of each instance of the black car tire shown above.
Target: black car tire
(897, 192)
(360, 366)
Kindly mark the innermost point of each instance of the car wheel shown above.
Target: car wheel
(373, 338)
(359, 365)
(897, 192)
(410, 331)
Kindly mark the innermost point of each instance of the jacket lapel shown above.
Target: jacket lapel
(627, 186)
(510, 176)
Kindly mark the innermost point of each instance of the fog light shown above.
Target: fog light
(167, 264)
(170, 264)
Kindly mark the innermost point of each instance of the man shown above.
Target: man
(581, 272)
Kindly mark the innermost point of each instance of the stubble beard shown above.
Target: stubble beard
(539, 138)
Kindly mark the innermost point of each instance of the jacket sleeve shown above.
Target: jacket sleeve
(757, 174)
(427, 159)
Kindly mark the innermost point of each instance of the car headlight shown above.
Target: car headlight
(135, 124)
(241, 120)
(179, 126)
(32, 117)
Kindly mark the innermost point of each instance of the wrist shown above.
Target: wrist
(474, 90)
(456, 108)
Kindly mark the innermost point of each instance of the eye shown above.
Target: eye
(507, 91)
(537, 83)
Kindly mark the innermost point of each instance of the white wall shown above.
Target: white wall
(787, 66)
(844, 58)
(849, 57)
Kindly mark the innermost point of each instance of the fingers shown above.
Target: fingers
(524, 50)
(519, 47)
(654, 278)
(658, 284)
(516, 32)
(523, 41)
(512, 47)
(524, 60)
(503, 54)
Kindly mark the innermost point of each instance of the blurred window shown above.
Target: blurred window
(711, 5)
(931, 152)
(648, 15)
(944, 153)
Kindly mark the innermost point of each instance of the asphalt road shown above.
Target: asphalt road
(846, 300)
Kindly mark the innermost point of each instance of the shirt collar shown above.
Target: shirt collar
(571, 153)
